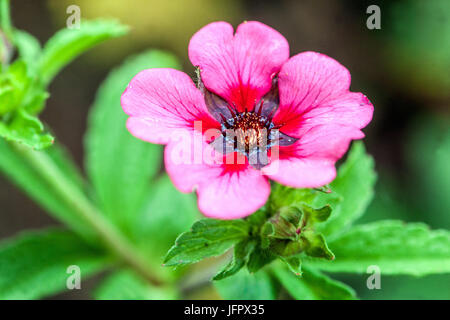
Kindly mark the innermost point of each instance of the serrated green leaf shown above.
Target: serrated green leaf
(26, 129)
(313, 285)
(245, 286)
(14, 166)
(394, 246)
(67, 44)
(120, 166)
(127, 285)
(207, 238)
(354, 184)
(241, 255)
(34, 264)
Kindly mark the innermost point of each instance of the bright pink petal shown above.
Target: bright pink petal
(234, 195)
(301, 173)
(316, 107)
(314, 90)
(222, 193)
(310, 162)
(239, 67)
(162, 102)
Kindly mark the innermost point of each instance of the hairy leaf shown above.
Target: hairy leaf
(207, 238)
(120, 166)
(354, 186)
(17, 168)
(245, 286)
(166, 214)
(394, 246)
(67, 44)
(126, 285)
(313, 285)
(34, 264)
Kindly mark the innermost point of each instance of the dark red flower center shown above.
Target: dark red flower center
(251, 132)
(248, 130)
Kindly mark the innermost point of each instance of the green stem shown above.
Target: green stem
(5, 33)
(107, 232)
(5, 19)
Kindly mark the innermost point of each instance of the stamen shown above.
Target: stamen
(271, 114)
(232, 110)
(225, 123)
(249, 132)
(260, 107)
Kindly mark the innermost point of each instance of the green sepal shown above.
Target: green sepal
(242, 251)
(267, 230)
(294, 264)
(283, 225)
(316, 215)
(291, 232)
(316, 245)
(287, 248)
(259, 258)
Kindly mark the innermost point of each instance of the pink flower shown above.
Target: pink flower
(295, 117)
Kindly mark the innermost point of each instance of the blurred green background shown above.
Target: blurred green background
(404, 69)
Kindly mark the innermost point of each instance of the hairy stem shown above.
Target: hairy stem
(107, 232)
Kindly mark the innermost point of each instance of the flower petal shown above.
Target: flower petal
(310, 162)
(161, 102)
(301, 173)
(234, 195)
(314, 90)
(239, 67)
(223, 193)
(316, 107)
